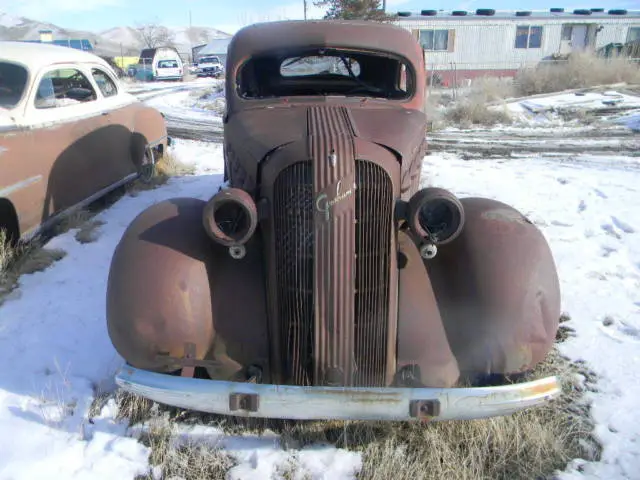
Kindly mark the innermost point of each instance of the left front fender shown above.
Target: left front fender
(497, 290)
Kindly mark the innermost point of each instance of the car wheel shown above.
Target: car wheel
(147, 168)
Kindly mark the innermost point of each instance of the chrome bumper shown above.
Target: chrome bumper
(324, 403)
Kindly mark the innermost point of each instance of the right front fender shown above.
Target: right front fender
(172, 291)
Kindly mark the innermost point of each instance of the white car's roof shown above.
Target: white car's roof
(36, 55)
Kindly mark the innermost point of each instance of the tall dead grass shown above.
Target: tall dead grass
(473, 106)
(166, 167)
(22, 259)
(580, 70)
(533, 443)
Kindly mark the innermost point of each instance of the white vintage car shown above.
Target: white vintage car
(69, 133)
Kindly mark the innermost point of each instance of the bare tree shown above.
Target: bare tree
(354, 9)
(154, 35)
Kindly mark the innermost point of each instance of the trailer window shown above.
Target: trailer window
(434, 40)
(633, 34)
(528, 36)
(13, 79)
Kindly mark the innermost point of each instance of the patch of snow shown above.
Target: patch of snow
(590, 213)
(9, 21)
(57, 353)
(262, 456)
(631, 121)
(191, 106)
(544, 110)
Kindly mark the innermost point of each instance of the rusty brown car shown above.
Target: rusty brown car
(325, 279)
(69, 134)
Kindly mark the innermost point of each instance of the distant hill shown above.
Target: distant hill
(184, 38)
(112, 42)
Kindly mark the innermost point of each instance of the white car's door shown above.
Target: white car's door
(64, 113)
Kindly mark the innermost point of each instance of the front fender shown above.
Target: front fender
(497, 290)
(173, 293)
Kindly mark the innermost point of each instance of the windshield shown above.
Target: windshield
(13, 79)
(325, 71)
(209, 60)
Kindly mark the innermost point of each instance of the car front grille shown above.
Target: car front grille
(365, 334)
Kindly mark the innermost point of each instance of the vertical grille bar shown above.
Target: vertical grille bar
(374, 203)
(332, 260)
(294, 241)
(331, 146)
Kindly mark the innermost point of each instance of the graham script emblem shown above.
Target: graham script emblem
(324, 205)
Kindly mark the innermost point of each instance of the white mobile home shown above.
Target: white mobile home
(462, 44)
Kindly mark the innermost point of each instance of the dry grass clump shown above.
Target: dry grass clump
(475, 111)
(174, 457)
(88, 231)
(170, 166)
(533, 443)
(23, 259)
(472, 105)
(75, 219)
(492, 89)
(579, 71)
(167, 166)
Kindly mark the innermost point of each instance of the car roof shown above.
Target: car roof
(35, 55)
(357, 34)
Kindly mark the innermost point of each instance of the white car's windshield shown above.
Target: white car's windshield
(13, 80)
(209, 60)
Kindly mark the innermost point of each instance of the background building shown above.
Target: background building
(217, 47)
(461, 45)
(46, 36)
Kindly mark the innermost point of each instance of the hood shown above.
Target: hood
(262, 130)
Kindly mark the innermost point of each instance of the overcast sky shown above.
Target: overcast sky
(229, 15)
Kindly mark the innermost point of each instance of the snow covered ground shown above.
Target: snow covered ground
(56, 353)
(599, 123)
(553, 109)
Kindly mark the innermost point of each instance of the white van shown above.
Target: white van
(164, 63)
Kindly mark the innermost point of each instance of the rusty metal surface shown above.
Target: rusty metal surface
(357, 35)
(230, 226)
(170, 286)
(498, 290)
(339, 295)
(253, 135)
(422, 339)
(332, 152)
(354, 286)
(45, 163)
(339, 403)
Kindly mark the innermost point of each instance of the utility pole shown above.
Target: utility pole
(189, 36)
(305, 9)
(384, 5)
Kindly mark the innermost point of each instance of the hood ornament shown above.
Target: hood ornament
(333, 158)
